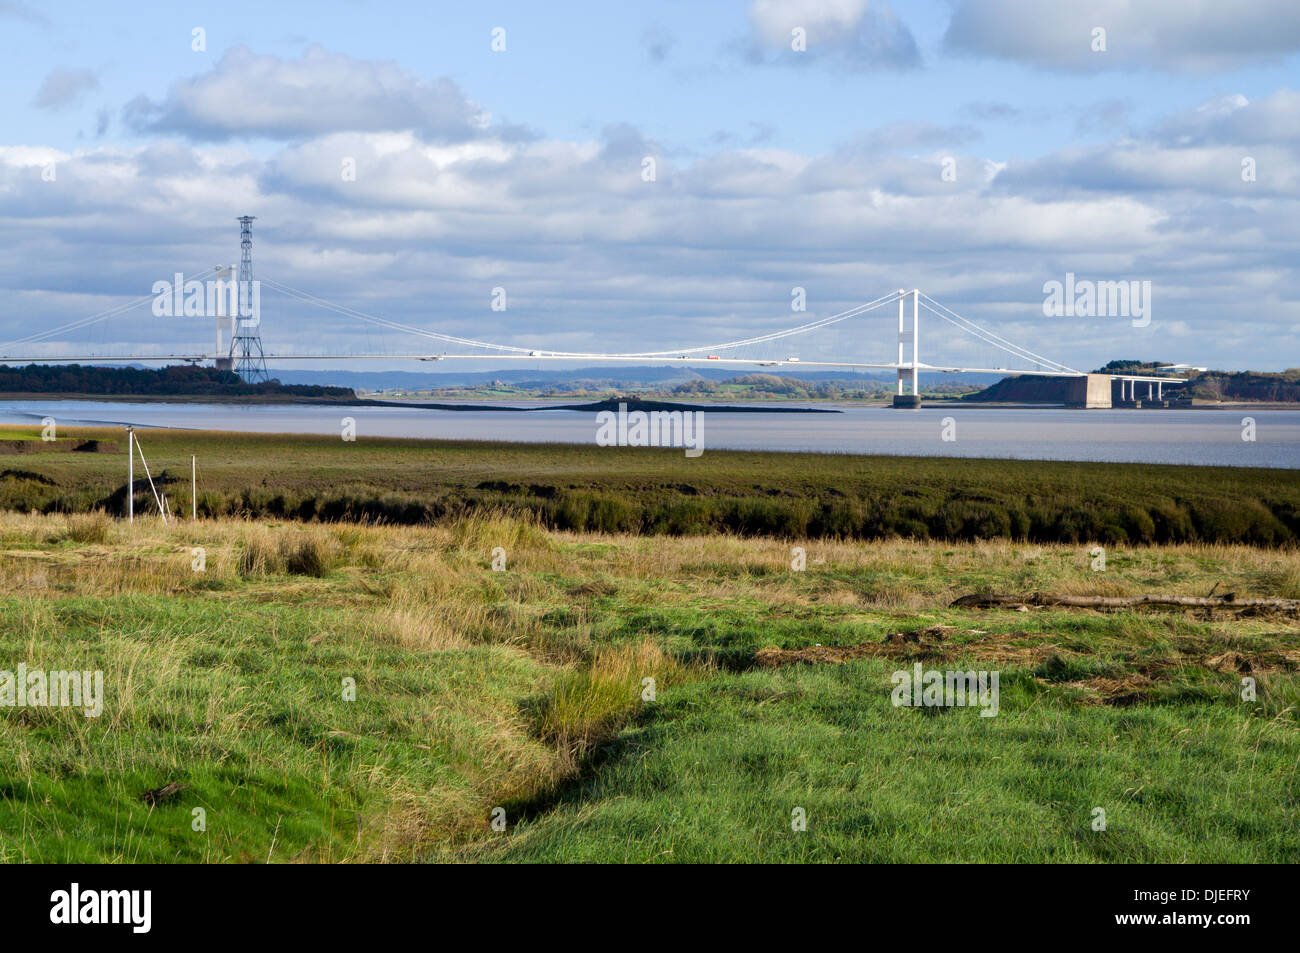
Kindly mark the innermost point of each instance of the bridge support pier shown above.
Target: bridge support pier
(1092, 391)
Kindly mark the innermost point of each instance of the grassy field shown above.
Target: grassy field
(524, 690)
(659, 492)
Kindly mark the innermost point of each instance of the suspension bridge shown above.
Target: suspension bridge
(234, 305)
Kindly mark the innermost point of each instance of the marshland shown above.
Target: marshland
(483, 680)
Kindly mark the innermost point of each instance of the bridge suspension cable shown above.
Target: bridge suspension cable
(309, 298)
(989, 337)
(92, 319)
(509, 350)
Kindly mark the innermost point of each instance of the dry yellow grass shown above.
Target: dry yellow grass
(450, 567)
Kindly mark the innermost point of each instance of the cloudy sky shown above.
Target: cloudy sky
(401, 165)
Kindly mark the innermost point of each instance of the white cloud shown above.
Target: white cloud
(247, 94)
(1173, 35)
(21, 11)
(859, 34)
(65, 87)
(592, 254)
(1233, 119)
(827, 21)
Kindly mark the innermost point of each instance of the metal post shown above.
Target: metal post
(130, 475)
(194, 487)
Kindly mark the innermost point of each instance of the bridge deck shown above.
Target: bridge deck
(603, 358)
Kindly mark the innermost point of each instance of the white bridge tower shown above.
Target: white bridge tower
(912, 399)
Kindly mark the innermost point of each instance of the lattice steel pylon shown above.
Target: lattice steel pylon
(246, 341)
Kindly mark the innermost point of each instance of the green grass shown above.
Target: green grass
(658, 492)
(243, 704)
(714, 772)
(524, 690)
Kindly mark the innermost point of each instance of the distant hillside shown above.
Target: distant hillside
(1266, 387)
(1282, 387)
(612, 376)
(1024, 390)
(174, 381)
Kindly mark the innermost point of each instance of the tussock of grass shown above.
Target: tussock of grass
(485, 530)
(309, 551)
(587, 707)
(90, 527)
(420, 628)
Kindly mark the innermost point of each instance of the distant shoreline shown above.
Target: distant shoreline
(632, 404)
(759, 405)
(183, 398)
(268, 399)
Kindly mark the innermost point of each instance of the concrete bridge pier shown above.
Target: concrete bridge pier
(1092, 392)
(1128, 395)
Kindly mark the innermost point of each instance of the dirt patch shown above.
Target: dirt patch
(1119, 692)
(1229, 662)
(1129, 680)
(916, 644)
(932, 643)
(1140, 685)
(1261, 663)
(933, 633)
(1000, 650)
(817, 655)
(1268, 612)
(594, 587)
(162, 795)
